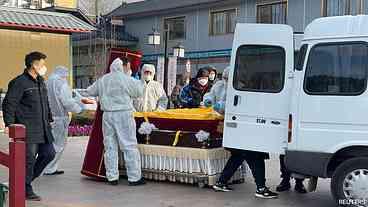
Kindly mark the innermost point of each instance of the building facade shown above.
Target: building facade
(21, 33)
(205, 27)
(90, 51)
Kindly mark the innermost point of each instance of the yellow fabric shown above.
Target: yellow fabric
(177, 136)
(144, 116)
(207, 114)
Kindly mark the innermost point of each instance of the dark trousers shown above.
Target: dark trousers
(285, 174)
(255, 161)
(38, 156)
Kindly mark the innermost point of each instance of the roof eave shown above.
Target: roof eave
(118, 13)
(41, 28)
(71, 11)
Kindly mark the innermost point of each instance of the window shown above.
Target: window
(274, 13)
(300, 57)
(223, 22)
(176, 27)
(337, 69)
(342, 7)
(259, 68)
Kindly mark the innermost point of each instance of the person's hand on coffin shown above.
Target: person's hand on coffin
(207, 102)
(159, 109)
(219, 107)
(88, 101)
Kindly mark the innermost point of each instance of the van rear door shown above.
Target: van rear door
(258, 98)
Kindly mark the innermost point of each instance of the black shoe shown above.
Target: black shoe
(57, 172)
(137, 183)
(114, 182)
(266, 193)
(283, 186)
(299, 188)
(219, 187)
(32, 197)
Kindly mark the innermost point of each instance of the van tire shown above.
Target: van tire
(342, 171)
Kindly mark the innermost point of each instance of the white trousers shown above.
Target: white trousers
(60, 133)
(119, 130)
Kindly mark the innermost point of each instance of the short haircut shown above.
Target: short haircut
(125, 60)
(33, 56)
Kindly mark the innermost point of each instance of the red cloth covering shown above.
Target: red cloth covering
(93, 165)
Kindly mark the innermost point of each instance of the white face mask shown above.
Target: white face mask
(148, 77)
(212, 77)
(42, 71)
(203, 82)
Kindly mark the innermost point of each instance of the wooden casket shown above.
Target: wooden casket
(172, 152)
(179, 127)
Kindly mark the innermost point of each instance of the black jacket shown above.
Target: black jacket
(26, 103)
(192, 95)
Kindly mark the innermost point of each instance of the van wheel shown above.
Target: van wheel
(349, 184)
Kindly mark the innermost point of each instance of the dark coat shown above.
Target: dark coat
(26, 103)
(192, 94)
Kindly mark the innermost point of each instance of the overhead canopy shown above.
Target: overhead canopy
(25, 19)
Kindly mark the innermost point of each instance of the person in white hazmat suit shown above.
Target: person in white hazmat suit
(217, 96)
(61, 103)
(115, 91)
(154, 96)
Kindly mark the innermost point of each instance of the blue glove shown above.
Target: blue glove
(207, 103)
(219, 107)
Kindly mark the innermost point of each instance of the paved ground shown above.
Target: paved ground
(73, 190)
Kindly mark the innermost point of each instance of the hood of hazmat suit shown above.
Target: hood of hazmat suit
(217, 95)
(116, 89)
(60, 94)
(154, 96)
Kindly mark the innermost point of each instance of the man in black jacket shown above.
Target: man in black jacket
(26, 103)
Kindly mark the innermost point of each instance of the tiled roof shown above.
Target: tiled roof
(150, 6)
(42, 20)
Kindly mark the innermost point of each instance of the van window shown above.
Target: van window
(299, 60)
(337, 69)
(259, 68)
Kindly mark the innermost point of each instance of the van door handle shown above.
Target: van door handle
(236, 100)
(275, 122)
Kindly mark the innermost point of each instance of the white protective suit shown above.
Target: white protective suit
(217, 95)
(61, 102)
(154, 96)
(116, 91)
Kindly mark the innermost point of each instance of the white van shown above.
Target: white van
(316, 112)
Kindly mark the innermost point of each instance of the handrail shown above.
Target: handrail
(16, 162)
